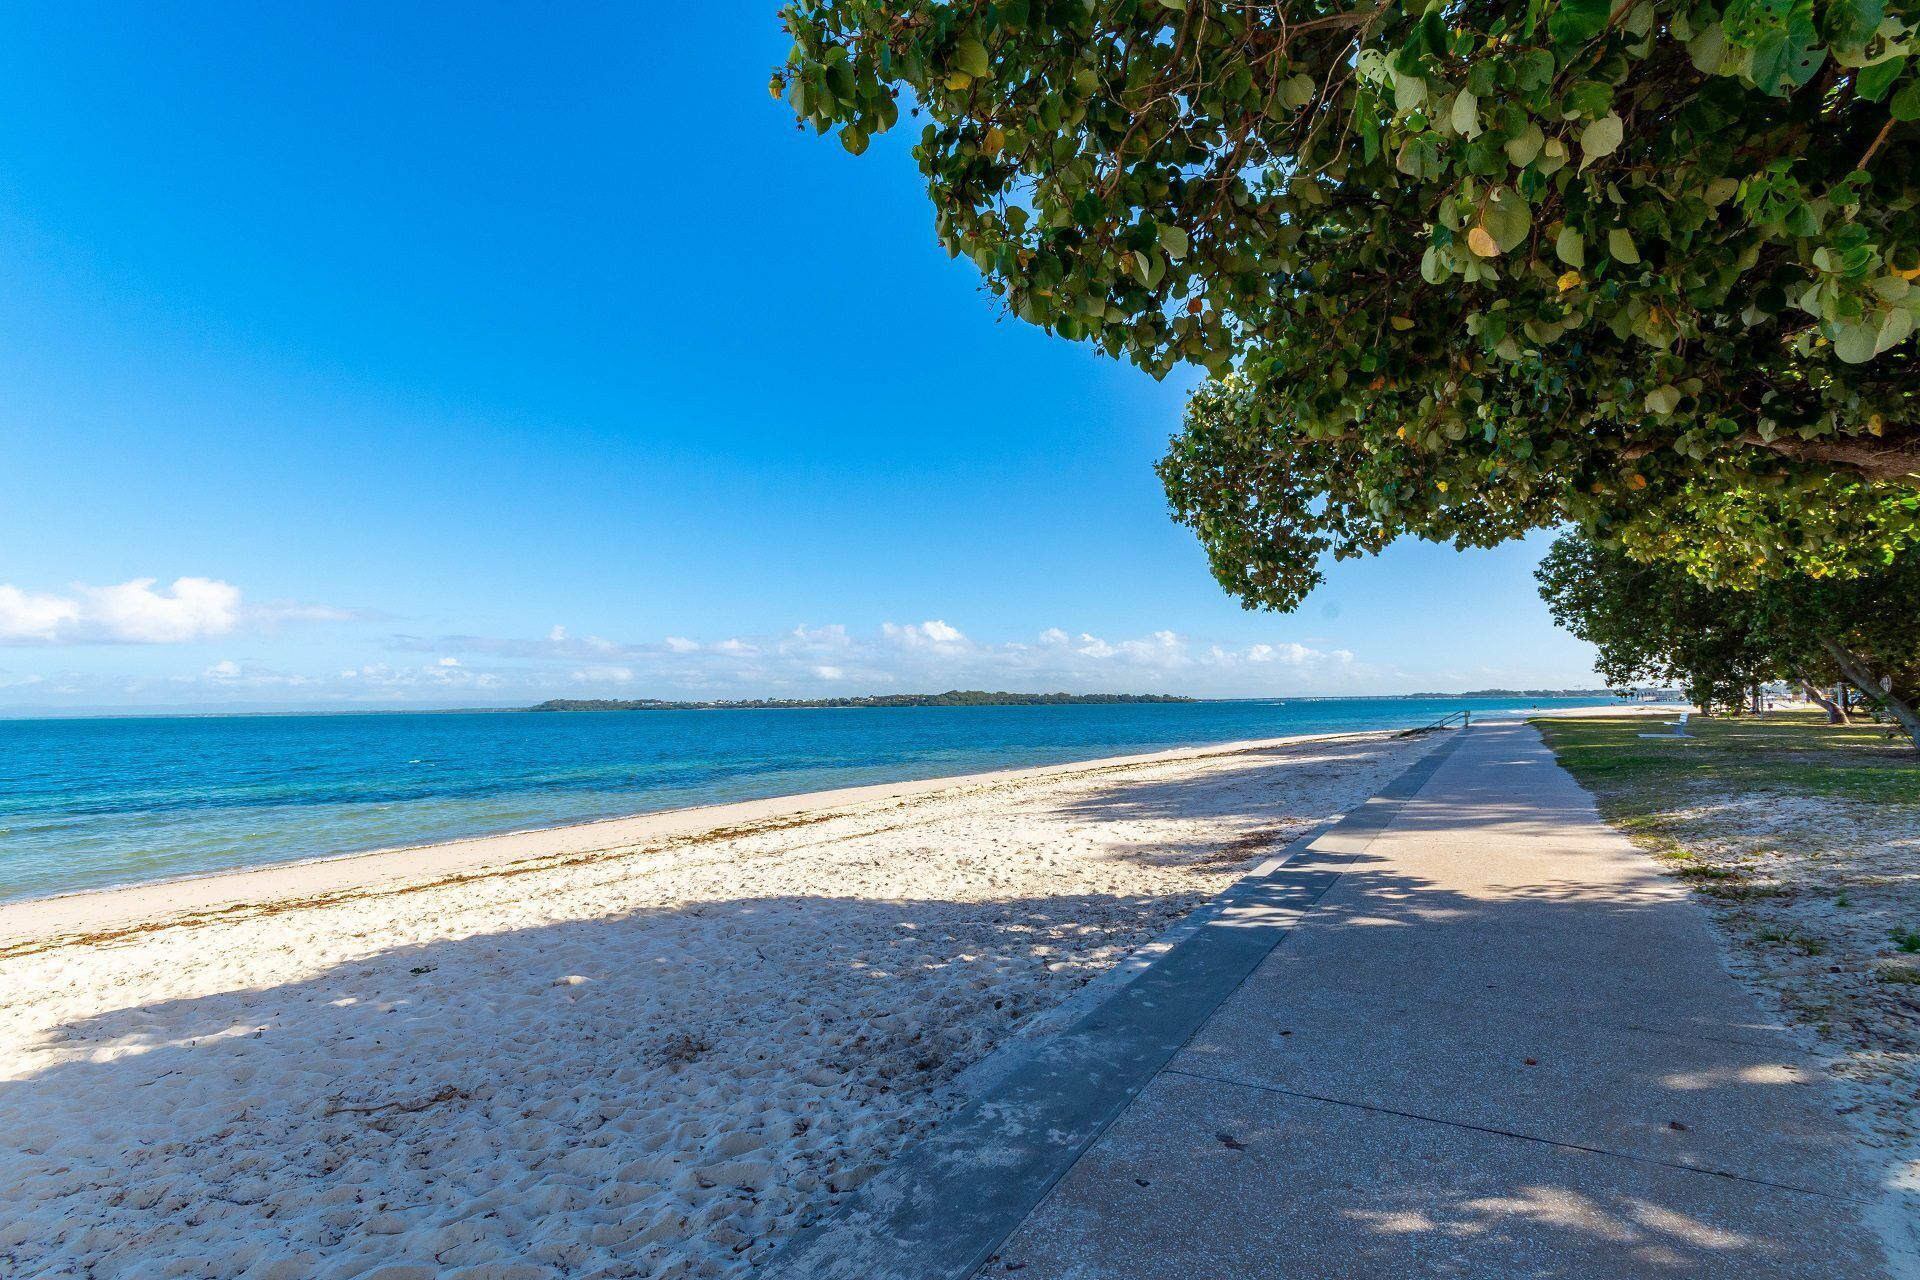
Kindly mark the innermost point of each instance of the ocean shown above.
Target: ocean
(88, 803)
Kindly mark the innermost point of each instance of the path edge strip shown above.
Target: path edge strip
(943, 1207)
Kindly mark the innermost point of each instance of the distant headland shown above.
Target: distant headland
(951, 698)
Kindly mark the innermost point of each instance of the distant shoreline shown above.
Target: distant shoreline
(951, 698)
(980, 698)
(42, 714)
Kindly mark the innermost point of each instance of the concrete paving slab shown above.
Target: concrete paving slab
(945, 1204)
(1678, 1099)
(1202, 1180)
(1468, 1059)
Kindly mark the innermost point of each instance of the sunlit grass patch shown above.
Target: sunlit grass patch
(1640, 780)
(1802, 840)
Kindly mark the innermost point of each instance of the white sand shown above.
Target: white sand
(650, 1058)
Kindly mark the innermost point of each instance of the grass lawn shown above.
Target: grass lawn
(1792, 752)
(1803, 841)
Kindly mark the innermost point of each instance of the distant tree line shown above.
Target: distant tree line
(951, 698)
(1658, 622)
(1522, 693)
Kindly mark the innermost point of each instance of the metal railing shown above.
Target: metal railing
(1464, 717)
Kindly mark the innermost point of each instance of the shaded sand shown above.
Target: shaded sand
(657, 1059)
(1814, 899)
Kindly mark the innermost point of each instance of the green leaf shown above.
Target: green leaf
(1906, 103)
(1577, 21)
(1522, 149)
(1620, 246)
(971, 57)
(1174, 240)
(1873, 80)
(1708, 49)
(1663, 399)
(1895, 329)
(1570, 247)
(1851, 22)
(1784, 58)
(1601, 138)
(1587, 98)
(1466, 114)
(1508, 217)
(1408, 92)
(1855, 343)
(1535, 70)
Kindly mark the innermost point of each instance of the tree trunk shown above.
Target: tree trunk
(1891, 459)
(1869, 684)
(1836, 714)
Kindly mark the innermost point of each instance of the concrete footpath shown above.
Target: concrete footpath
(1487, 1039)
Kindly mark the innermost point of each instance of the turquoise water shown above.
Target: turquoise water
(88, 803)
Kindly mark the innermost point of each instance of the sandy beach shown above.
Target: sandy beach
(648, 1048)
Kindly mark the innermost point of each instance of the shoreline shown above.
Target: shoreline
(663, 1058)
(52, 715)
(54, 918)
(50, 918)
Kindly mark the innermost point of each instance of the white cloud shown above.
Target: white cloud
(809, 660)
(381, 681)
(935, 635)
(603, 675)
(230, 675)
(26, 618)
(1289, 654)
(802, 661)
(134, 612)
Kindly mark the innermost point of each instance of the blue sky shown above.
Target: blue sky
(454, 355)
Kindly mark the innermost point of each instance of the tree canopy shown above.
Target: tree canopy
(1657, 622)
(1458, 269)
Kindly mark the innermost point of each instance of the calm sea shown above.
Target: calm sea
(88, 803)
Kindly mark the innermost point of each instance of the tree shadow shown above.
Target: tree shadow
(672, 1091)
(1247, 793)
(584, 1096)
(1555, 1080)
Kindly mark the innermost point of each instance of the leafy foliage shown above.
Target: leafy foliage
(1657, 622)
(1648, 265)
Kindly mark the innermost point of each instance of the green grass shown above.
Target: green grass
(1800, 942)
(1793, 753)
